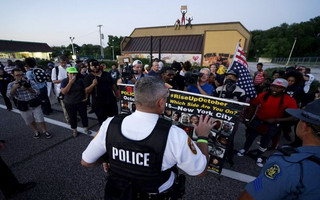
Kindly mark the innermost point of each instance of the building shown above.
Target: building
(18, 50)
(202, 44)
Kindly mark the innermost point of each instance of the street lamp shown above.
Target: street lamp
(74, 56)
(112, 52)
(101, 37)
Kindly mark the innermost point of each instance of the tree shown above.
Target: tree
(57, 51)
(113, 43)
(278, 41)
(90, 51)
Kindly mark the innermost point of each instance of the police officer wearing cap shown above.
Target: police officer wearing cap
(292, 173)
(142, 159)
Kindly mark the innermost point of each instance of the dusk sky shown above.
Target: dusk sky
(54, 21)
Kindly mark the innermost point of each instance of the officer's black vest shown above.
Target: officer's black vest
(138, 161)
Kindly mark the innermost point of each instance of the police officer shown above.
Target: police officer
(143, 149)
(292, 173)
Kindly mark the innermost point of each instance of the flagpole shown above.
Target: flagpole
(234, 55)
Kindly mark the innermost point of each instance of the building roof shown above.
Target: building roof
(197, 29)
(18, 46)
(170, 44)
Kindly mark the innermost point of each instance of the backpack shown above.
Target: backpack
(39, 75)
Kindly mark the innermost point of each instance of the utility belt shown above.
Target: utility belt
(24, 105)
(118, 188)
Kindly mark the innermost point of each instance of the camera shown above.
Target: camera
(192, 77)
(128, 72)
(24, 83)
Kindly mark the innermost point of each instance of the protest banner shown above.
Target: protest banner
(184, 109)
(126, 98)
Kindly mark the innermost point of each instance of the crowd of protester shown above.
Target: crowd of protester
(88, 84)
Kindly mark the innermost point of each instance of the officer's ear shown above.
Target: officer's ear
(162, 101)
(161, 104)
(306, 129)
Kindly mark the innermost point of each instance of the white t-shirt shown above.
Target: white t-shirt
(61, 75)
(179, 149)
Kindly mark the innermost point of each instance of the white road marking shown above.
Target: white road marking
(237, 175)
(55, 122)
(225, 172)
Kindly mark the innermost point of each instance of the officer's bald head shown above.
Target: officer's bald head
(148, 90)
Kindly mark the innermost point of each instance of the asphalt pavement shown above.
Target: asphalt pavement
(54, 164)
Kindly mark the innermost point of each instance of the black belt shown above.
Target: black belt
(166, 195)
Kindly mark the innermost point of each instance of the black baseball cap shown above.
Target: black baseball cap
(232, 72)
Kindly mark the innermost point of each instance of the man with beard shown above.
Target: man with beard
(103, 90)
(271, 108)
(230, 90)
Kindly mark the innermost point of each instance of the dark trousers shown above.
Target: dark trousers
(105, 110)
(73, 109)
(265, 138)
(8, 181)
(6, 99)
(45, 102)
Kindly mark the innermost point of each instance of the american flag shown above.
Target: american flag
(240, 65)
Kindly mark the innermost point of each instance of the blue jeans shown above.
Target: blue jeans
(265, 138)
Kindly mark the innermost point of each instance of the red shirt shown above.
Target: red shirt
(270, 109)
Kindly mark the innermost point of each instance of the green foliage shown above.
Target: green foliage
(278, 41)
(113, 47)
(57, 51)
(271, 70)
(91, 51)
(42, 63)
(145, 61)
